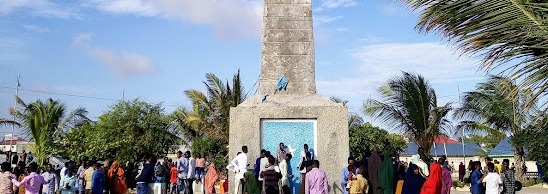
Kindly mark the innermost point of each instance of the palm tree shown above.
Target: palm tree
(511, 35)
(181, 120)
(210, 111)
(44, 121)
(409, 103)
(492, 105)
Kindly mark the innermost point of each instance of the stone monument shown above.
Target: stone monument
(287, 108)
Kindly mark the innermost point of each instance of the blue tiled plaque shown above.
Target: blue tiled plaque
(294, 134)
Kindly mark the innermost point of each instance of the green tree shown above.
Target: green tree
(492, 105)
(536, 147)
(511, 35)
(365, 139)
(129, 130)
(410, 104)
(207, 123)
(76, 143)
(44, 121)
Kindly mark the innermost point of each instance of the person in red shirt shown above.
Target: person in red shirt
(173, 177)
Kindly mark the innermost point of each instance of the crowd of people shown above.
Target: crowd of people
(373, 175)
(93, 177)
(272, 174)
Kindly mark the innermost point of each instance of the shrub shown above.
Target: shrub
(530, 182)
(457, 184)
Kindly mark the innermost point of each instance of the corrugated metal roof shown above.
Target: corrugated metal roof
(503, 149)
(453, 149)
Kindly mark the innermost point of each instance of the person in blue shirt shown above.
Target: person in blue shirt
(475, 179)
(146, 176)
(257, 170)
(182, 172)
(348, 172)
(97, 180)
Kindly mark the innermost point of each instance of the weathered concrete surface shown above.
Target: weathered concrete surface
(331, 118)
(288, 50)
(288, 46)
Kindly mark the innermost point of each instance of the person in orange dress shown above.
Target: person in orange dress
(116, 179)
(210, 179)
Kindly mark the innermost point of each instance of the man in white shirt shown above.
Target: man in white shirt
(491, 180)
(63, 171)
(263, 163)
(51, 178)
(191, 171)
(240, 167)
(286, 175)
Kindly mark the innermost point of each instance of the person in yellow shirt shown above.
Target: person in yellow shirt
(498, 166)
(359, 184)
(87, 178)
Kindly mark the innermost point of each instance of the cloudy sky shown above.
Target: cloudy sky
(86, 53)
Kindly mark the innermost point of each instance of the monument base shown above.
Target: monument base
(311, 119)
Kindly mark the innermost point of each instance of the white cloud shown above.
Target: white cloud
(230, 19)
(332, 4)
(37, 7)
(123, 63)
(35, 28)
(379, 62)
(318, 20)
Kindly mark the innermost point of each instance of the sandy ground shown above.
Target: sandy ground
(538, 189)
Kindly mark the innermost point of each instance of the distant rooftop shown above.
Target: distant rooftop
(503, 149)
(453, 149)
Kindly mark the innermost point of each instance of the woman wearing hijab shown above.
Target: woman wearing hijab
(415, 159)
(374, 169)
(210, 179)
(400, 175)
(116, 179)
(251, 183)
(413, 181)
(387, 175)
(433, 183)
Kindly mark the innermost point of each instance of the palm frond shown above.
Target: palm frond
(409, 104)
(5, 122)
(511, 35)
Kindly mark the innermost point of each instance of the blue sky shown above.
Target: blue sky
(156, 49)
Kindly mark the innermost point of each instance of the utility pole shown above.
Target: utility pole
(463, 155)
(14, 111)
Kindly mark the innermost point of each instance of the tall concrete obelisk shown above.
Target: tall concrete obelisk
(288, 46)
(295, 115)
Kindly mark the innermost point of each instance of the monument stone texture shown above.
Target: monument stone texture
(296, 115)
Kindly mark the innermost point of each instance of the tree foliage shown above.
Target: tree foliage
(126, 132)
(44, 121)
(206, 125)
(510, 34)
(491, 105)
(409, 103)
(365, 139)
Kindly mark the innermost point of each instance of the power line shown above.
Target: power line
(78, 96)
